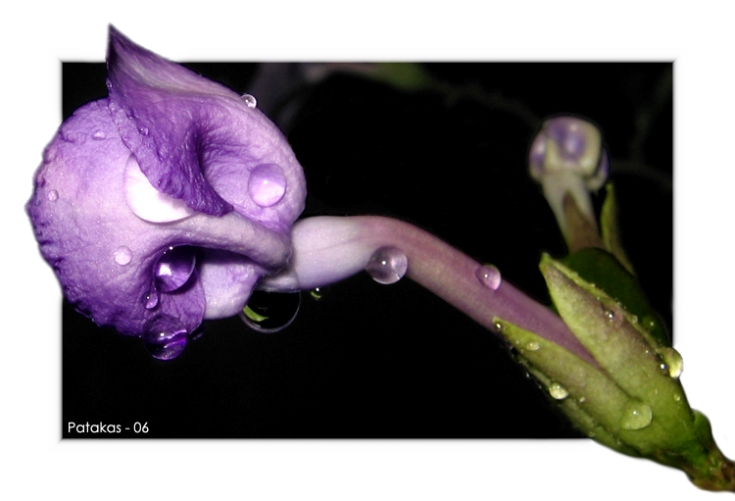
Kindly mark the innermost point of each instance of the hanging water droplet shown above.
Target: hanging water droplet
(267, 184)
(123, 255)
(100, 134)
(174, 268)
(270, 312)
(636, 415)
(197, 333)
(489, 276)
(52, 195)
(673, 361)
(165, 337)
(249, 100)
(387, 265)
(557, 391)
(151, 300)
(317, 293)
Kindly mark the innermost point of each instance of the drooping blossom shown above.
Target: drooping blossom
(166, 202)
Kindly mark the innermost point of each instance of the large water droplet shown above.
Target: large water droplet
(558, 391)
(636, 415)
(165, 337)
(174, 268)
(489, 276)
(387, 265)
(673, 360)
(270, 312)
(52, 195)
(267, 184)
(249, 100)
(123, 255)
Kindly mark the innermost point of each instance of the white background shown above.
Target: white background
(37, 37)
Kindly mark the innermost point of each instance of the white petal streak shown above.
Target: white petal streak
(147, 202)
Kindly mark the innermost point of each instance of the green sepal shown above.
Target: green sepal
(610, 229)
(630, 356)
(608, 274)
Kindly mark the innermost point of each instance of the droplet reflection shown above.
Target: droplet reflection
(174, 268)
(387, 265)
(268, 312)
(267, 184)
(165, 337)
(489, 276)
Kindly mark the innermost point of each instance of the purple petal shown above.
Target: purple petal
(194, 139)
(133, 205)
(102, 253)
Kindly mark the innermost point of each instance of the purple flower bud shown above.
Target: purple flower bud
(568, 158)
(166, 202)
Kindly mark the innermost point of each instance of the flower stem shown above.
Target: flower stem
(328, 249)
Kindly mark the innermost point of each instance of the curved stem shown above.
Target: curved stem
(328, 249)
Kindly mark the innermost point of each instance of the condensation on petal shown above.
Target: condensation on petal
(147, 202)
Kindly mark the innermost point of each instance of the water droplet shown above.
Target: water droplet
(673, 361)
(270, 312)
(49, 154)
(143, 130)
(73, 136)
(677, 397)
(533, 346)
(249, 100)
(498, 326)
(174, 268)
(489, 276)
(151, 300)
(197, 333)
(634, 319)
(317, 293)
(165, 337)
(648, 322)
(52, 195)
(636, 415)
(387, 265)
(582, 400)
(267, 184)
(123, 255)
(615, 315)
(100, 134)
(558, 391)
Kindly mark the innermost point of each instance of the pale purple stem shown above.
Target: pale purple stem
(329, 249)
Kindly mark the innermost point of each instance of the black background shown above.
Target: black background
(375, 361)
